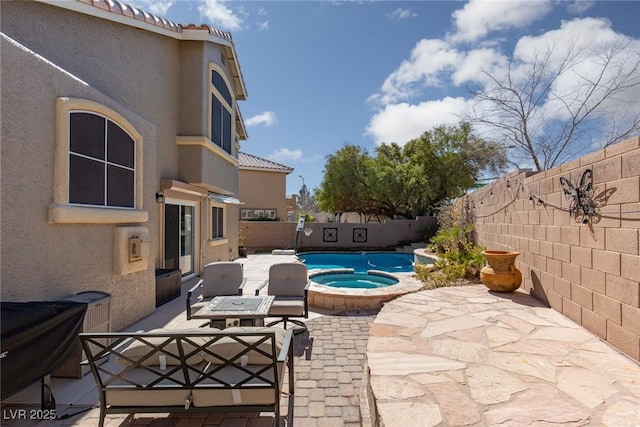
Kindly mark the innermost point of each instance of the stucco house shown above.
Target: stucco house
(262, 188)
(120, 140)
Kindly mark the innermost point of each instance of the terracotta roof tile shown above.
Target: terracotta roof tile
(250, 161)
(124, 9)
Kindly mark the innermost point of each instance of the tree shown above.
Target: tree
(306, 201)
(344, 185)
(559, 102)
(411, 180)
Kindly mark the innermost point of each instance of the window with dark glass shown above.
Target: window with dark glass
(101, 162)
(221, 86)
(221, 115)
(217, 222)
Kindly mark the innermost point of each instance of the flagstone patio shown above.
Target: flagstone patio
(445, 357)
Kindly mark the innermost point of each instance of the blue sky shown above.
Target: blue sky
(320, 74)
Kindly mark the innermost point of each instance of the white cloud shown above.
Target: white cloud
(476, 63)
(580, 6)
(220, 15)
(156, 7)
(403, 122)
(262, 26)
(284, 154)
(268, 118)
(400, 14)
(429, 59)
(587, 35)
(587, 39)
(480, 17)
(404, 110)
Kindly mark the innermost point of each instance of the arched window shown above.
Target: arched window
(97, 166)
(221, 112)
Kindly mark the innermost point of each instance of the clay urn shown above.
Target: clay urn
(500, 274)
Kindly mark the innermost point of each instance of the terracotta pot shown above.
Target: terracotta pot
(501, 274)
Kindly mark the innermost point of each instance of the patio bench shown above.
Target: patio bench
(194, 370)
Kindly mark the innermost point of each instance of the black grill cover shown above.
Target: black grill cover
(36, 339)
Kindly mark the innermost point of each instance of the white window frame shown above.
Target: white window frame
(224, 221)
(61, 211)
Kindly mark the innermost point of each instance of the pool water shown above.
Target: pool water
(360, 262)
(353, 280)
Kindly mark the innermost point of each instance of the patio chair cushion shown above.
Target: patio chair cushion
(287, 306)
(287, 279)
(138, 349)
(228, 347)
(221, 278)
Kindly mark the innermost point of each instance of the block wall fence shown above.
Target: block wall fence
(589, 272)
(333, 235)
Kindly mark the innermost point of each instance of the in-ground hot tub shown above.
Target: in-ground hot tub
(362, 291)
(351, 280)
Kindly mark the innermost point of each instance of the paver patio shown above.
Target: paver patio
(445, 357)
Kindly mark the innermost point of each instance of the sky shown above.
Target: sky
(321, 74)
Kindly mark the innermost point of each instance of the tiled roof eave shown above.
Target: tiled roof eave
(124, 14)
(261, 169)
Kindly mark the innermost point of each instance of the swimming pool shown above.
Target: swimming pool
(360, 262)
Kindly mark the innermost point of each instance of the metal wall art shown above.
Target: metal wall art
(582, 207)
(359, 235)
(329, 234)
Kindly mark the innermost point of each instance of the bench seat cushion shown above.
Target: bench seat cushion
(124, 393)
(263, 394)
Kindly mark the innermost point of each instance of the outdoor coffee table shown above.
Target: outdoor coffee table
(228, 311)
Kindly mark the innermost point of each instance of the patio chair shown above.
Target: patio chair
(289, 283)
(221, 278)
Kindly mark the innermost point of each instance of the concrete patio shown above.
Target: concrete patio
(445, 357)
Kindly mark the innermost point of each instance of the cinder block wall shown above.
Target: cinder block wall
(281, 235)
(589, 272)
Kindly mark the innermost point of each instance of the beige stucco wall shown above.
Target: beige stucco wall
(263, 190)
(589, 272)
(43, 261)
(140, 75)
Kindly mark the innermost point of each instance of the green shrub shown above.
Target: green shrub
(427, 232)
(459, 259)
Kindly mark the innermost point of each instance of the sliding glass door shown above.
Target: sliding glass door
(179, 237)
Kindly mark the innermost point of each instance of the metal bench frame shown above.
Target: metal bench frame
(97, 346)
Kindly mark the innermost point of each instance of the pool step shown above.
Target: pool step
(408, 249)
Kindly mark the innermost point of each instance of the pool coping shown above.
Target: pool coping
(330, 298)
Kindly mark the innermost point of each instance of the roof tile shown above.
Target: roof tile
(129, 11)
(247, 160)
